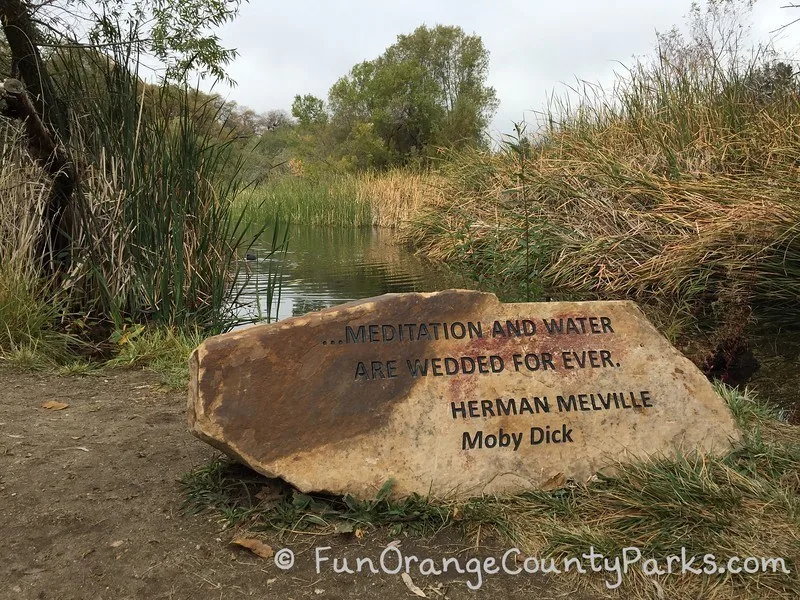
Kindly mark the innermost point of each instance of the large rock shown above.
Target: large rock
(451, 393)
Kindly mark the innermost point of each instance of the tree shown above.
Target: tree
(458, 65)
(309, 111)
(772, 80)
(176, 32)
(427, 89)
(276, 119)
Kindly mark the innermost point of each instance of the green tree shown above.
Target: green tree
(427, 89)
(309, 111)
(363, 149)
(458, 66)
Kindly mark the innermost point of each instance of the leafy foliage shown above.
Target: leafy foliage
(426, 90)
(178, 33)
(309, 110)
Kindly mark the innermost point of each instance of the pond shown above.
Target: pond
(326, 266)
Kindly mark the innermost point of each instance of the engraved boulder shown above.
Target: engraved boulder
(451, 394)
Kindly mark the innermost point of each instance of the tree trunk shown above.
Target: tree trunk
(47, 126)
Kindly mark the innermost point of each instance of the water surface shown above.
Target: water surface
(324, 267)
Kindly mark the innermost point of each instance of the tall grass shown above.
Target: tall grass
(678, 186)
(397, 195)
(381, 199)
(155, 236)
(28, 312)
(319, 201)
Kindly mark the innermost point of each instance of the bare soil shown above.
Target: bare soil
(90, 507)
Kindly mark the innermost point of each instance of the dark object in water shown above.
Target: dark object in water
(250, 256)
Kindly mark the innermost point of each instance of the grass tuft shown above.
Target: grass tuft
(162, 350)
(239, 496)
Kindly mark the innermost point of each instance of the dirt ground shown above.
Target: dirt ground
(90, 507)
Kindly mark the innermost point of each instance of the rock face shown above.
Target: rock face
(451, 393)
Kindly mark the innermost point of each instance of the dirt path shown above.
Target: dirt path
(90, 508)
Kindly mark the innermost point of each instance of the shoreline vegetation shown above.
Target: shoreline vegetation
(372, 199)
(676, 188)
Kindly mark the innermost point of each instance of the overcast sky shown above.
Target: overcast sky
(294, 47)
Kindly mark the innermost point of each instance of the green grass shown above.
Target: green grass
(320, 201)
(240, 496)
(164, 351)
(80, 368)
(29, 319)
(742, 504)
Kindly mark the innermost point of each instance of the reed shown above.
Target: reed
(329, 201)
(154, 233)
(28, 313)
(679, 187)
(381, 199)
(397, 195)
(154, 238)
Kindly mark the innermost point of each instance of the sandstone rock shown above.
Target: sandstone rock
(451, 393)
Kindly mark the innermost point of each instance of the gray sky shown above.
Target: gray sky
(536, 46)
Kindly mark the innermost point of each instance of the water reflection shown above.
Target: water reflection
(324, 267)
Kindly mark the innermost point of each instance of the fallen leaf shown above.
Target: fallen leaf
(555, 482)
(345, 527)
(255, 546)
(359, 533)
(659, 589)
(411, 587)
(55, 405)
(117, 544)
